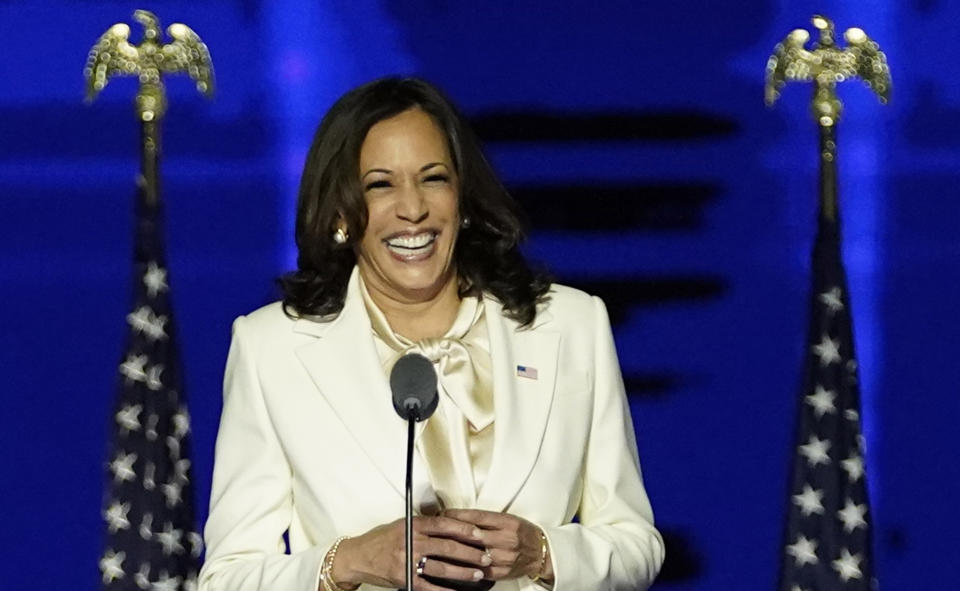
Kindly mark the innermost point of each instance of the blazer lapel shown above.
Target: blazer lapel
(344, 365)
(522, 400)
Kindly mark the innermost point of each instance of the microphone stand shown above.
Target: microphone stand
(411, 422)
(413, 382)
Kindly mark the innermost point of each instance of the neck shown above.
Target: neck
(418, 319)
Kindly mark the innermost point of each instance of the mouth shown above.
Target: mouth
(412, 246)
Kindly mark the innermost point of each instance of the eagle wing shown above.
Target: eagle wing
(188, 53)
(869, 62)
(112, 54)
(790, 61)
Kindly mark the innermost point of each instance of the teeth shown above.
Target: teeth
(411, 242)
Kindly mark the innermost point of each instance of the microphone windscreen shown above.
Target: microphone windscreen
(413, 382)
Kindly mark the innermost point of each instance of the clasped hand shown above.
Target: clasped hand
(460, 544)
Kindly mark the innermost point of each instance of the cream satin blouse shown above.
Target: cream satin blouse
(457, 441)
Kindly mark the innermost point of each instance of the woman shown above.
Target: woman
(527, 474)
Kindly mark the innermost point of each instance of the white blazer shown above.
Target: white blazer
(309, 444)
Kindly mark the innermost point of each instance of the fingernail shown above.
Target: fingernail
(477, 575)
(477, 533)
(486, 560)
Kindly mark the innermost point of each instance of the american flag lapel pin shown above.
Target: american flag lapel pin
(525, 371)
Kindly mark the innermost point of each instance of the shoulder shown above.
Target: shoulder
(266, 320)
(564, 296)
(267, 334)
(571, 311)
(266, 328)
(565, 303)
(582, 322)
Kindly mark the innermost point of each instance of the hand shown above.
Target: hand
(512, 542)
(378, 556)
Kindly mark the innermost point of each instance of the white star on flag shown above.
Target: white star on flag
(180, 468)
(828, 351)
(153, 377)
(804, 551)
(166, 583)
(132, 368)
(151, 431)
(129, 418)
(852, 516)
(111, 565)
(181, 423)
(148, 473)
(854, 467)
(155, 279)
(171, 491)
(169, 538)
(822, 401)
(144, 321)
(142, 578)
(832, 299)
(174, 444)
(154, 330)
(196, 544)
(851, 415)
(816, 451)
(140, 318)
(122, 467)
(847, 566)
(146, 526)
(809, 501)
(116, 516)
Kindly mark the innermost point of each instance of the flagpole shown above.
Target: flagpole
(828, 541)
(828, 173)
(149, 178)
(151, 540)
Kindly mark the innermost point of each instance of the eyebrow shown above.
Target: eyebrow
(431, 165)
(383, 170)
(423, 168)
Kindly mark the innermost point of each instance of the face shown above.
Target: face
(410, 188)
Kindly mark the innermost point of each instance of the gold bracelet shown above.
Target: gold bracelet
(543, 556)
(326, 569)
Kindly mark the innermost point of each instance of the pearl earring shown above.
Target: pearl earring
(465, 223)
(340, 236)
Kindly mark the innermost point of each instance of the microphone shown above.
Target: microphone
(413, 382)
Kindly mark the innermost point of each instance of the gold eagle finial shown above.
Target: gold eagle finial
(826, 64)
(113, 55)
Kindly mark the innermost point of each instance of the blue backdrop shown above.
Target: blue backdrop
(634, 134)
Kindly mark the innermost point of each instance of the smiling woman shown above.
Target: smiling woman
(333, 197)
(406, 254)
(528, 471)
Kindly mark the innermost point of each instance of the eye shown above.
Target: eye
(381, 184)
(436, 178)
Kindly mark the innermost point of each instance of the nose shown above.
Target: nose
(412, 204)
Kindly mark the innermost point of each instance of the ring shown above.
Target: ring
(420, 564)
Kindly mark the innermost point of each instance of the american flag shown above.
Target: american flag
(151, 543)
(525, 371)
(827, 545)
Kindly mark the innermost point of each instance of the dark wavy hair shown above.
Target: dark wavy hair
(486, 253)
